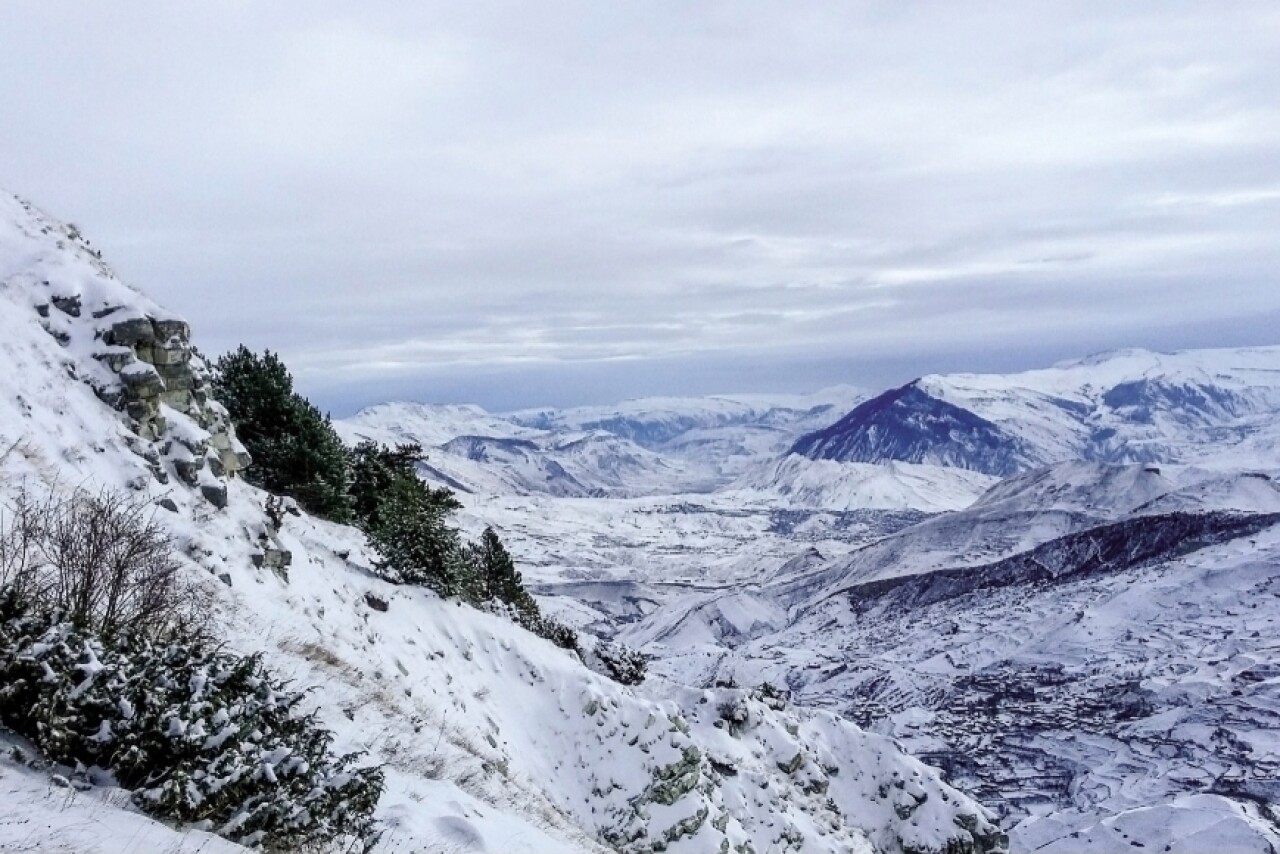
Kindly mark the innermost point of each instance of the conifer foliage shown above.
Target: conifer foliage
(296, 452)
(405, 519)
(199, 734)
(294, 447)
(496, 574)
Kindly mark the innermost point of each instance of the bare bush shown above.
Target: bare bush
(19, 538)
(99, 559)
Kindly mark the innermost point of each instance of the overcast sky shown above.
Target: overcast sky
(526, 203)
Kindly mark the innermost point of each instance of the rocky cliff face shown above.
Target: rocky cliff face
(134, 355)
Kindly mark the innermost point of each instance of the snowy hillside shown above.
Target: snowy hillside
(798, 481)
(492, 739)
(1214, 407)
(660, 423)
(429, 424)
(650, 446)
(1108, 631)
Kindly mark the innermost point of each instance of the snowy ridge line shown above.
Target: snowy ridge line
(1113, 547)
(1194, 406)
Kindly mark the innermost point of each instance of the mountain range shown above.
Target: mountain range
(1041, 604)
(1074, 566)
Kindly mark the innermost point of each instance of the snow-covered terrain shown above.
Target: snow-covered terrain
(651, 446)
(492, 739)
(1214, 407)
(1103, 618)
(1061, 587)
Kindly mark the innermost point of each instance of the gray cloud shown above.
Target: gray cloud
(588, 201)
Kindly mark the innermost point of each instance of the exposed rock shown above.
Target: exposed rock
(375, 602)
(163, 389)
(141, 381)
(791, 765)
(274, 555)
(188, 470)
(673, 781)
(131, 332)
(67, 305)
(171, 329)
(215, 494)
(115, 358)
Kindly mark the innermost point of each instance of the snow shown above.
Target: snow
(1192, 406)
(828, 484)
(470, 715)
(1139, 705)
(654, 446)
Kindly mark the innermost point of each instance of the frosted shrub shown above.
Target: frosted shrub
(619, 662)
(199, 734)
(98, 558)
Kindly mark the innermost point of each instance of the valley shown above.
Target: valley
(1074, 615)
(1056, 592)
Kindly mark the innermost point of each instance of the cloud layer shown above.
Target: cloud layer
(559, 202)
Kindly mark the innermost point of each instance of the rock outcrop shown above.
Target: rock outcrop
(163, 389)
(136, 356)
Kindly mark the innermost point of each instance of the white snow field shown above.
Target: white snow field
(1087, 646)
(1098, 711)
(492, 739)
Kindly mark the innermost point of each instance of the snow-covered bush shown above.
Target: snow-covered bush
(619, 662)
(553, 630)
(200, 734)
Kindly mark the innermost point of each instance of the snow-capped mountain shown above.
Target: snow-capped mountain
(472, 451)
(649, 446)
(429, 424)
(1128, 406)
(660, 423)
(1099, 616)
(491, 739)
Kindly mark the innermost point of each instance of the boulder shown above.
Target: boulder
(215, 494)
(131, 332)
(67, 305)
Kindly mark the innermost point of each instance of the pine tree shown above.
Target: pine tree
(497, 574)
(415, 541)
(294, 447)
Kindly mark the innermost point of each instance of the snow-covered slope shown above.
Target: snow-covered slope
(492, 739)
(473, 451)
(1107, 630)
(664, 422)
(1126, 688)
(659, 446)
(798, 481)
(649, 446)
(429, 424)
(1196, 406)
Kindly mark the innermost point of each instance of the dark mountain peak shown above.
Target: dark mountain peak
(910, 425)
